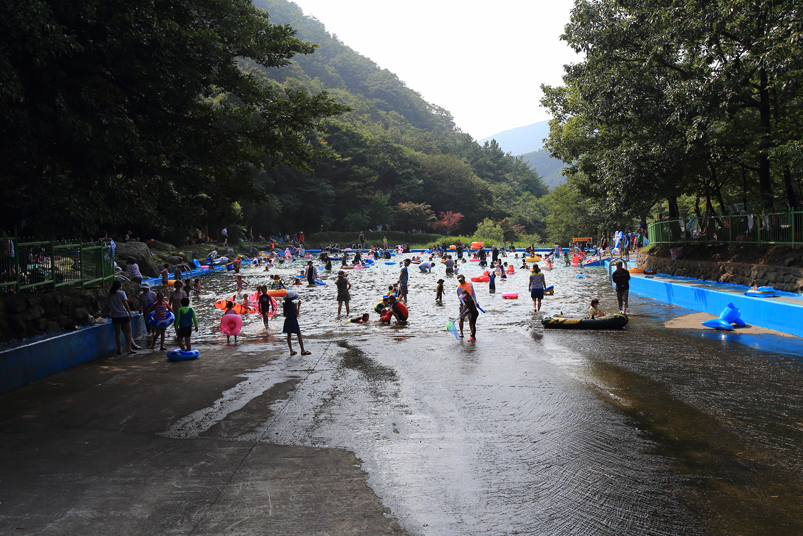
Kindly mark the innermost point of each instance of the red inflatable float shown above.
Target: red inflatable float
(484, 278)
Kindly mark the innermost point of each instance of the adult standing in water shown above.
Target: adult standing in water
(536, 287)
(385, 242)
(621, 279)
(449, 263)
(343, 287)
(403, 281)
(311, 273)
(463, 285)
(121, 318)
(468, 309)
(291, 312)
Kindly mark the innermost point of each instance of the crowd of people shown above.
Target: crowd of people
(391, 308)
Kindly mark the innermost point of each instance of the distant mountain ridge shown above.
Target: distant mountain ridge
(521, 140)
(550, 169)
(527, 142)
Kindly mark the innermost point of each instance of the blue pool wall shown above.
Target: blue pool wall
(29, 361)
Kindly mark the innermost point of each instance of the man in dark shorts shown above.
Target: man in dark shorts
(621, 279)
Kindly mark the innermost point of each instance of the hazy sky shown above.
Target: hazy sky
(483, 65)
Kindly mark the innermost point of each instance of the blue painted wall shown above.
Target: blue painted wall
(764, 312)
(29, 362)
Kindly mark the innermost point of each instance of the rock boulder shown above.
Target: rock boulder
(155, 245)
(143, 255)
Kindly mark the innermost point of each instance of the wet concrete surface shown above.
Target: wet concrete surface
(81, 453)
(643, 431)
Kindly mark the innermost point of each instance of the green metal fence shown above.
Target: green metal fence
(782, 228)
(40, 265)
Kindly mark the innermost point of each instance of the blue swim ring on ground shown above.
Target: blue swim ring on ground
(196, 263)
(182, 355)
(319, 282)
(166, 323)
(390, 263)
(580, 276)
(761, 292)
(367, 261)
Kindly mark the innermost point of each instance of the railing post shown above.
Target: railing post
(17, 253)
(730, 228)
(81, 265)
(53, 263)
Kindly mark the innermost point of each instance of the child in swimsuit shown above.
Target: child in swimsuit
(230, 311)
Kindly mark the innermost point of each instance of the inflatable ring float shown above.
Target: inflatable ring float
(182, 355)
(278, 293)
(510, 295)
(231, 324)
(166, 323)
(532, 259)
(761, 292)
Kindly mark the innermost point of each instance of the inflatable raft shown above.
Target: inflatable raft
(761, 292)
(614, 321)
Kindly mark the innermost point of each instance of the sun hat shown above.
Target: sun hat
(290, 296)
(146, 285)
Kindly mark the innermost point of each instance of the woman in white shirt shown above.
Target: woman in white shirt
(121, 317)
(133, 271)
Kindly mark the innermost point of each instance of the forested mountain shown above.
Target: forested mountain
(521, 140)
(394, 152)
(550, 169)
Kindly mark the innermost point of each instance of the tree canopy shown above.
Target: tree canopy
(114, 112)
(681, 97)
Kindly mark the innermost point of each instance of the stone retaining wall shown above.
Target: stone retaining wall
(26, 315)
(789, 279)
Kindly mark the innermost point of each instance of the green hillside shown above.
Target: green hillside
(392, 148)
(547, 167)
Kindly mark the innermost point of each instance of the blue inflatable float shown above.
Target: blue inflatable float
(166, 323)
(729, 315)
(182, 355)
(761, 292)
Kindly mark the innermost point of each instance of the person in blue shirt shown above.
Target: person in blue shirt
(403, 281)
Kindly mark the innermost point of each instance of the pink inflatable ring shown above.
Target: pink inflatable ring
(231, 324)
